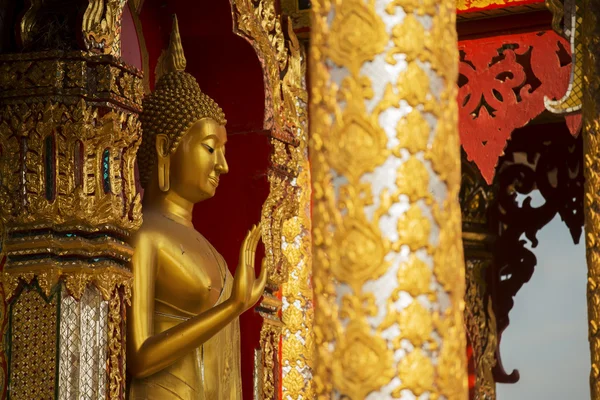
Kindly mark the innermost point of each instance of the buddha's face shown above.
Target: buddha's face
(199, 161)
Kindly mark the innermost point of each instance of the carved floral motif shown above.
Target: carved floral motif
(379, 269)
(287, 304)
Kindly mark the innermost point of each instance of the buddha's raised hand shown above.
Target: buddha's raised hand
(247, 289)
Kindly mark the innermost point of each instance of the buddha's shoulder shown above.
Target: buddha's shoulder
(157, 228)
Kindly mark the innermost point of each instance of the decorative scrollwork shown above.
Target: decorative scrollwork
(101, 26)
(548, 159)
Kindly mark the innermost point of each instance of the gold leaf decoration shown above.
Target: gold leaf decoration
(414, 276)
(373, 332)
(417, 373)
(361, 362)
(412, 180)
(357, 34)
(413, 132)
(360, 254)
(416, 324)
(414, 228)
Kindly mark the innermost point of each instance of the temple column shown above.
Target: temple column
(69, 134)
(591, 155)
(477, 201)
(388, 267)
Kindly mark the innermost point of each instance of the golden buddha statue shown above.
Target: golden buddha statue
(183, 327)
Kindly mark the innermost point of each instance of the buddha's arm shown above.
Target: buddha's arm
(147, 353)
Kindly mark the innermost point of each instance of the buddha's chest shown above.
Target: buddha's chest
(190, 275)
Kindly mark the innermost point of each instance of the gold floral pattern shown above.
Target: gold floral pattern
(361, 362)
(386, 246)
(357, 34)
(360, 253)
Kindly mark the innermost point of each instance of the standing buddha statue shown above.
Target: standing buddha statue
(183, 327)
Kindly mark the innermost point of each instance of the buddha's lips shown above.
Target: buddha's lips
(214, 180)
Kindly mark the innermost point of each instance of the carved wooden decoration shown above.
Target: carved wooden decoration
(540, 157)
(503, 81)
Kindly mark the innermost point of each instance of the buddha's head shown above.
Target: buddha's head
(184, 136)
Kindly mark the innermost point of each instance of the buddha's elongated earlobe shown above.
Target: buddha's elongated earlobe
(163, 162)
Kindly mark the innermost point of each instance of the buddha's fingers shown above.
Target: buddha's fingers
(243, 248)
(248, 245)
(255, 237)
(248, 255)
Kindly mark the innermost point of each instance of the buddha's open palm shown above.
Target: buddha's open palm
(247, 289)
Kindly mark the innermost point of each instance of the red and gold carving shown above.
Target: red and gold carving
(503, 83)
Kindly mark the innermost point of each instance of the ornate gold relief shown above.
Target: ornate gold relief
(297, 311)
(386, 220)
(68, 191)
(481, 329)
(286, 307)
(357, 34)
(93, 26)
(76, 278)
(101, 26)
(259, 23)
(69, 134)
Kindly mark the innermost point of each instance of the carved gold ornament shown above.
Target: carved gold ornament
(361, 362)
(68, 186)
(477, 199)
(102, 25)
(357, 34)
(360, 255)
(286, 212)
(69, 134)
(572, 12)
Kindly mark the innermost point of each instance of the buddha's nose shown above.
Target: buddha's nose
(221, 167)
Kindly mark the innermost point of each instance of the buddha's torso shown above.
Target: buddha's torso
(191, 277)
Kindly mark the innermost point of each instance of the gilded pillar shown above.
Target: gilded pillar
(388, 269)
(297, 294)
(477, 199)
(591, 154)
(69, 134)
(283, 364)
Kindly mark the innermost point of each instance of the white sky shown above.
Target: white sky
(547, 336)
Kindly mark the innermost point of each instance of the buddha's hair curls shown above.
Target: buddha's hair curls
(172, 109)
(174, 106)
